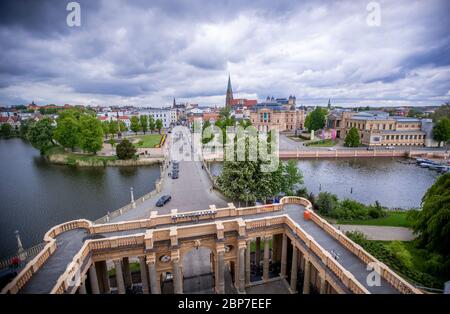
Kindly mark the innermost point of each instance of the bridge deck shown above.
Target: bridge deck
(69, 243)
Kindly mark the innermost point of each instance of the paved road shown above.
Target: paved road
(191, 191)
(380, 232)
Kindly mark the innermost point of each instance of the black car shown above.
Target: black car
(175, 175)
(163, 200)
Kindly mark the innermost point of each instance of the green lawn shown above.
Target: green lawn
(148, 141)
(324, 143)
(393, 219)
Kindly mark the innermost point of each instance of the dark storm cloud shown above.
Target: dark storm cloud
(146, 52)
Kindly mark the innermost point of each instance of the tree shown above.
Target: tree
(91, 134)
(352, 138)
(122, 127)
(113, 128)
(24, 127)
(441, 112)
(159, 125)
(125, 150)
(135, 125)
(326, 203)
(67, 131)
(292, 177)
(432, 223)
(151, 123)
(316, 119)
(40, 134)
(105, 127)
(5, 130)
(441, 131)
(144, 123)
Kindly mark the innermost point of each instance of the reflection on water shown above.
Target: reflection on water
(393, 184)
(36, 195)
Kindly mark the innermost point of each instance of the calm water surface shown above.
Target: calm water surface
(392, 183)
(36, 195)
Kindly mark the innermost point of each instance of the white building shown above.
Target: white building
(165, 115)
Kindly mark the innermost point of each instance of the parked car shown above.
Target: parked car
(175, 175)
(163, 200)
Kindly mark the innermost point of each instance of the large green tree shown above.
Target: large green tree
(135, 126)
(125, 150)
(113, 128)
(441, 131)
(144, 123)
(432, 222)
(105, 127)
(292, 178)
(151, 123)
(352, 138)
(159, 125)
(67, 131)
(441, 112)
(6, 130)
(40, 134)
(316, 119)
(91, 134)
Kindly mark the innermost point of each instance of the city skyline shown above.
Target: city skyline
(143, 54)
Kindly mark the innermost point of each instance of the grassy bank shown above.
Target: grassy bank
(392, 219)
(414, 264)
(322, 143)
(58, 155)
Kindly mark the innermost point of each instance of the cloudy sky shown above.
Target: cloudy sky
(142, 53)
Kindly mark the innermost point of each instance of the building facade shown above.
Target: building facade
(273, 115)
(377, 128)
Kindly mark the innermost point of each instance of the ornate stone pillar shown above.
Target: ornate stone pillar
(294, 270)
(82, 287)
(103, 277)
(144, 277)
(154, 285)
(242, 268)
(220, 271)
(119, 277)
(177, 277)
(126, 272)
(283, 256)
(323, 284)
(266, 259)
(257, 251)
(93, 279)
(307, 273)
(247, 262)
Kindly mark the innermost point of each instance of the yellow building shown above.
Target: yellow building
(271, 115)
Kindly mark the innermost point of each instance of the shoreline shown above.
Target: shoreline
(100, 161)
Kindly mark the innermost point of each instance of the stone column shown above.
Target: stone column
(242, 269)
(93, 280)
(247, 263)
(323, 284)
(266, 259)
(119, 277)
(126, 272)
(258, 251)
(294, 270)
(220, 276)
(155, 287)
(177, 277)
(283, 256)
(144, 277)
(82, 288)
(307, 275)
(102, 274)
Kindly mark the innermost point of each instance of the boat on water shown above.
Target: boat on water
(424, 165)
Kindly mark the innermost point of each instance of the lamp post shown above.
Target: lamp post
(132, 198)
(20, 251)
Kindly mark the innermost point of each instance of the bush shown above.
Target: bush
(350, 209)
(125, 150)
(401, 253)
(326, 203)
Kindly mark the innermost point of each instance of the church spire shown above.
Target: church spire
(229, 97)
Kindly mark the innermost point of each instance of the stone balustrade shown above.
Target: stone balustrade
(172, 233)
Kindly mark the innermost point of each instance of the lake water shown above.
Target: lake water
(392, 183)
(36, 195)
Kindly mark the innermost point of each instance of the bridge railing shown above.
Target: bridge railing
(386, 273)
(35, 264)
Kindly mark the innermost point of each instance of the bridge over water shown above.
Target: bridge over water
(74, 259)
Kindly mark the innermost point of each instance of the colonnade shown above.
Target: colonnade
(279, 251)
